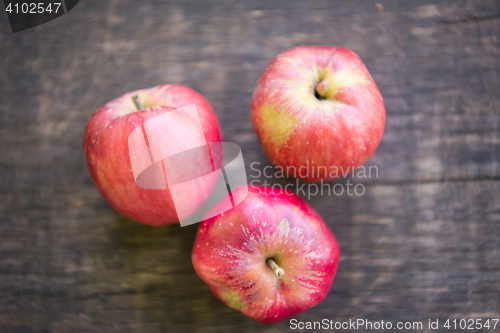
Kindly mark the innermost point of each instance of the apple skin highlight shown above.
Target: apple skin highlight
(318, 107)
(231, 253)
(106, 151)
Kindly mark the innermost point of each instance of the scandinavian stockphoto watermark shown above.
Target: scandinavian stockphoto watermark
(170, 150)
(453, 324)
(311, 171)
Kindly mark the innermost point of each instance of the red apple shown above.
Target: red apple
(270, 257)
(318, 108)
(106, 150)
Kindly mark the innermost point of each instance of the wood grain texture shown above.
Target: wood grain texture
(422, 243)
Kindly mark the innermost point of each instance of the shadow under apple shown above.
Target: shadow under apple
(156, 278)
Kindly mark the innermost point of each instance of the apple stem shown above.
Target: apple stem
(277, 269)
(137, 102)
(322, 88)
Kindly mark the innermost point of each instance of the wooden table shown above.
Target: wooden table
(422, 243)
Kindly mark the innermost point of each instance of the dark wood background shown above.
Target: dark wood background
(422, 243)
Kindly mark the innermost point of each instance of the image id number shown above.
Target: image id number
(33, 8)
(471, 324)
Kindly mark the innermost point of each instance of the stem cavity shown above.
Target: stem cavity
(137, 102)
(277, 270)
(321, 89)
